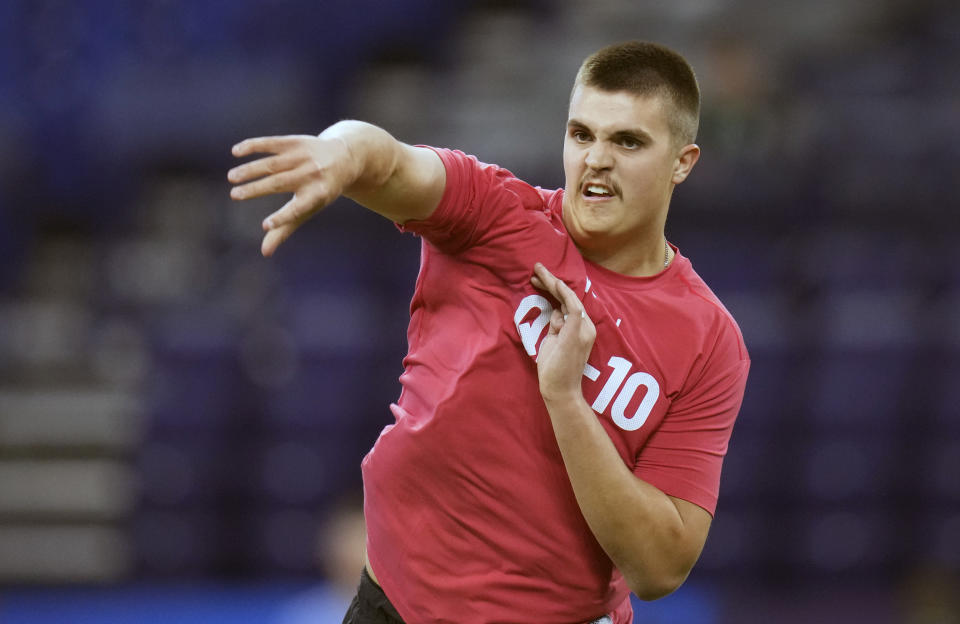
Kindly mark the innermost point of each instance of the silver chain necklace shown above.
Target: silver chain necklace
(666, 253)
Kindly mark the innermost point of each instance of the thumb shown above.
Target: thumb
(556, 322)
(275, 237)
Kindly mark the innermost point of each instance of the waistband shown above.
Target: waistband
(376, 594)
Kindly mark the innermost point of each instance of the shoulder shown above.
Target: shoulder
(463, 168)
(481, 203)
(718, 324)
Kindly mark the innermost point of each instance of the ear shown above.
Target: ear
(686, 159)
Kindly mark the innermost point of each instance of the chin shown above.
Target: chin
(588, 239)
(594, 226)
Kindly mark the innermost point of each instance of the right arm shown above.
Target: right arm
(351, 158)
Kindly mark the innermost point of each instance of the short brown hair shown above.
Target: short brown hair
(648, 69)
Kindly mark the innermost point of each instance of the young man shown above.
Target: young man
(571, 383)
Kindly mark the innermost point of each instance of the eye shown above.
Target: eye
(580, 136)
(630, 143)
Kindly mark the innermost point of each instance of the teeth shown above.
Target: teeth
(598, 190)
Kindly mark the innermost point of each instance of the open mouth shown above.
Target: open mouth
(599, 191)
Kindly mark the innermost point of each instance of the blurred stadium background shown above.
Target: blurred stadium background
(180, 418)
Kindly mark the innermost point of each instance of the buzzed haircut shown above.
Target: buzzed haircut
(648, 69)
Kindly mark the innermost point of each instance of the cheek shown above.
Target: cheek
(571, 171)
(651, 178)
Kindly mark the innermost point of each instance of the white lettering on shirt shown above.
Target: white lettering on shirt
(530, 331)
(619, 387)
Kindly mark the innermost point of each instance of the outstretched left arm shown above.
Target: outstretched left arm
(653, 539)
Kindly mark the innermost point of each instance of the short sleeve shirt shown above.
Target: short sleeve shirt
(470, 514)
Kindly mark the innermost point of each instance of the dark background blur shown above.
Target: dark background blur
(177, 412)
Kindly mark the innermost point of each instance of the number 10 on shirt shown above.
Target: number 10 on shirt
(620, 387)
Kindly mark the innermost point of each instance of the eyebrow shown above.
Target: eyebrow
(633, 133)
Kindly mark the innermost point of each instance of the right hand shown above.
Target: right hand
(564, 351)
(315, 169)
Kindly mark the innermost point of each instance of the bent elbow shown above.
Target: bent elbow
(649, 594)
(654, 589)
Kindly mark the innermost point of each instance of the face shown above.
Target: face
(621, 164)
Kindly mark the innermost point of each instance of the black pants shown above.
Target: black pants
(370, 605)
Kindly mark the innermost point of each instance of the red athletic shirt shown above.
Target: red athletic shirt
(471, 517)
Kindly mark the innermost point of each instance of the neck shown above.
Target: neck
(637, 261)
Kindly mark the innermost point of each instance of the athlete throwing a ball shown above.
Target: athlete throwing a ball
(571, 383)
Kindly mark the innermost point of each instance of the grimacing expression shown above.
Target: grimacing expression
(621, 163)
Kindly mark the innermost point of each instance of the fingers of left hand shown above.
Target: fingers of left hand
(261, 167)
(297, 210)
(266, 144)
(275, 237)
(283, 182)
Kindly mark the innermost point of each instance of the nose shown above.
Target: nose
(599, 156)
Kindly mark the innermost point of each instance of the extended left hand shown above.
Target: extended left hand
(566, 347)
(315, 169)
